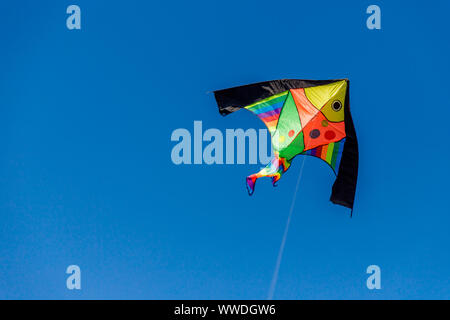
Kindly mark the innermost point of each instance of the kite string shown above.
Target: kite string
(283, 241)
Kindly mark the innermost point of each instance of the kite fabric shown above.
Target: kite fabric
(306, 117)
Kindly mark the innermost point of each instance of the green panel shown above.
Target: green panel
(297, 146)
(289, 125)
(330, 153)
(335, 155)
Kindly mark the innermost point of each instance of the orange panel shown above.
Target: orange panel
(324, 152)
(320, 132)
(305, 108)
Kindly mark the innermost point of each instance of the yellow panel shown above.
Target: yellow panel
(320, 95)
(334, 108)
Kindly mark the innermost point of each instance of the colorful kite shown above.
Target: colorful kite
(308, 117)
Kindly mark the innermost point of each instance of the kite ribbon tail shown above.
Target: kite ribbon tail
(274, 169)
(251, 180)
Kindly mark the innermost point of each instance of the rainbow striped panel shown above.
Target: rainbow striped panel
(268, 110)
(330, 153)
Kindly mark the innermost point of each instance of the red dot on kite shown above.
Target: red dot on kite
(330, 135)
(291, 133)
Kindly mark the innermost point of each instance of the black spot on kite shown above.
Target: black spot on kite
(314, 133)
(336, 106)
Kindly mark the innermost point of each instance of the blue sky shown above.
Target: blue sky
(86, 176)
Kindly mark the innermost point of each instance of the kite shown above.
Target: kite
(304, 117)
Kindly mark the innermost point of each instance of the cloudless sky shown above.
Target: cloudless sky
(86, 176)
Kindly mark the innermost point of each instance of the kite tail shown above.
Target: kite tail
(274, 169)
